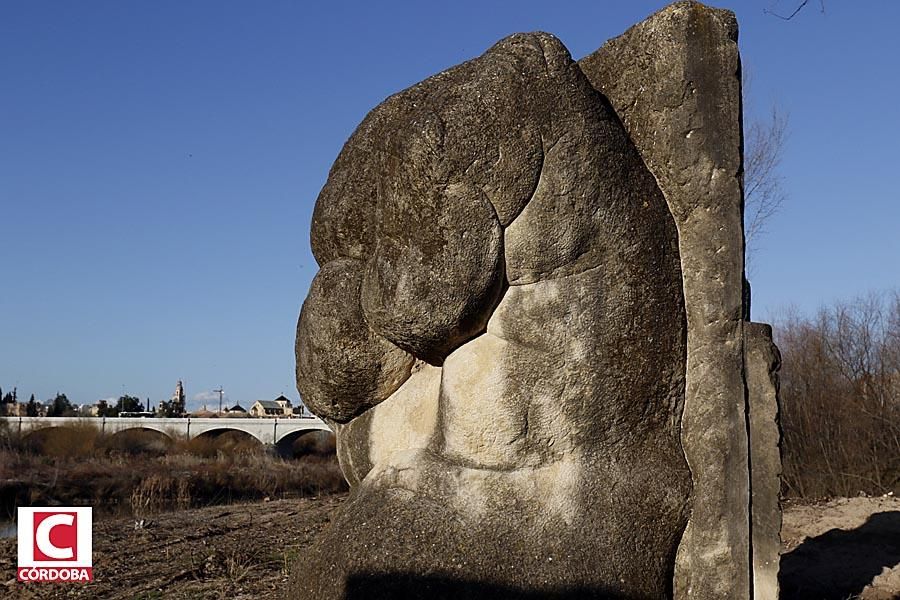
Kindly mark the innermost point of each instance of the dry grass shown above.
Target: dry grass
(142, 474)
(76, 441)
(159, 492)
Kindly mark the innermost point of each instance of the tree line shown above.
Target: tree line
(12, 398)
(840, 398)
(61, 406)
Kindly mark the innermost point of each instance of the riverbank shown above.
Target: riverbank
(140, 475)
(143, 486)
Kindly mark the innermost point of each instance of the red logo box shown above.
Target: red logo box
(55, 544)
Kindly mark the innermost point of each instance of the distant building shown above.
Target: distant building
(89, 410)
(284, 403)
(203, 413)
(279, 407)
(12, 409)
(266, 408)
(178, 399)
(237, 409)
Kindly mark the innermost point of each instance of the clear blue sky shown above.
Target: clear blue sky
(159, 162)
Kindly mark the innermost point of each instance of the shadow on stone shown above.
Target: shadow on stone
(839, 564)
(408, 586)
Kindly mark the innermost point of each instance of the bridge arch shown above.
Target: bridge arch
(33, 432)
(295, 427)
(111, 428)
(138, 439)
(224, 439)
(218, 430)
(27, 426)
(62, 439)
(306, 442)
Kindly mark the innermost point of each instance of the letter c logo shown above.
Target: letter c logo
(42, 537)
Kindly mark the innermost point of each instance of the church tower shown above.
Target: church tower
(178, 398)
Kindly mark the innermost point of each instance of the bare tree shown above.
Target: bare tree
(764, 141)
(763, 192)
(840, 396)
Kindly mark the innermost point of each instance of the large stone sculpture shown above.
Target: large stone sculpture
(528, 330)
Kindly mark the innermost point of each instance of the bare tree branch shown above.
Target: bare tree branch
(790, 16)
(763, 192)
(796, 10)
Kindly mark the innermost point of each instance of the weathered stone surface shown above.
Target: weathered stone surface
(437, 269)
(422, 188)
(543, 478)
(455, 126)
(404, 423)
(343, 367)
(546, 457)
(762, 361)
(674, 79)
(593, 191)
(560, 247)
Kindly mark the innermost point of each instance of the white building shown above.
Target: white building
(279, 407)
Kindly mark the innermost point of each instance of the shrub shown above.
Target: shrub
(79, 440)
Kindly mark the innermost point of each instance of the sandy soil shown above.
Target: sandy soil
(833, 550)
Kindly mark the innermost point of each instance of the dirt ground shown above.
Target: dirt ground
(843, 548)
(238, 551)
(834, 550)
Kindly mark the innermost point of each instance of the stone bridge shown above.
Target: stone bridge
(269, 431)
